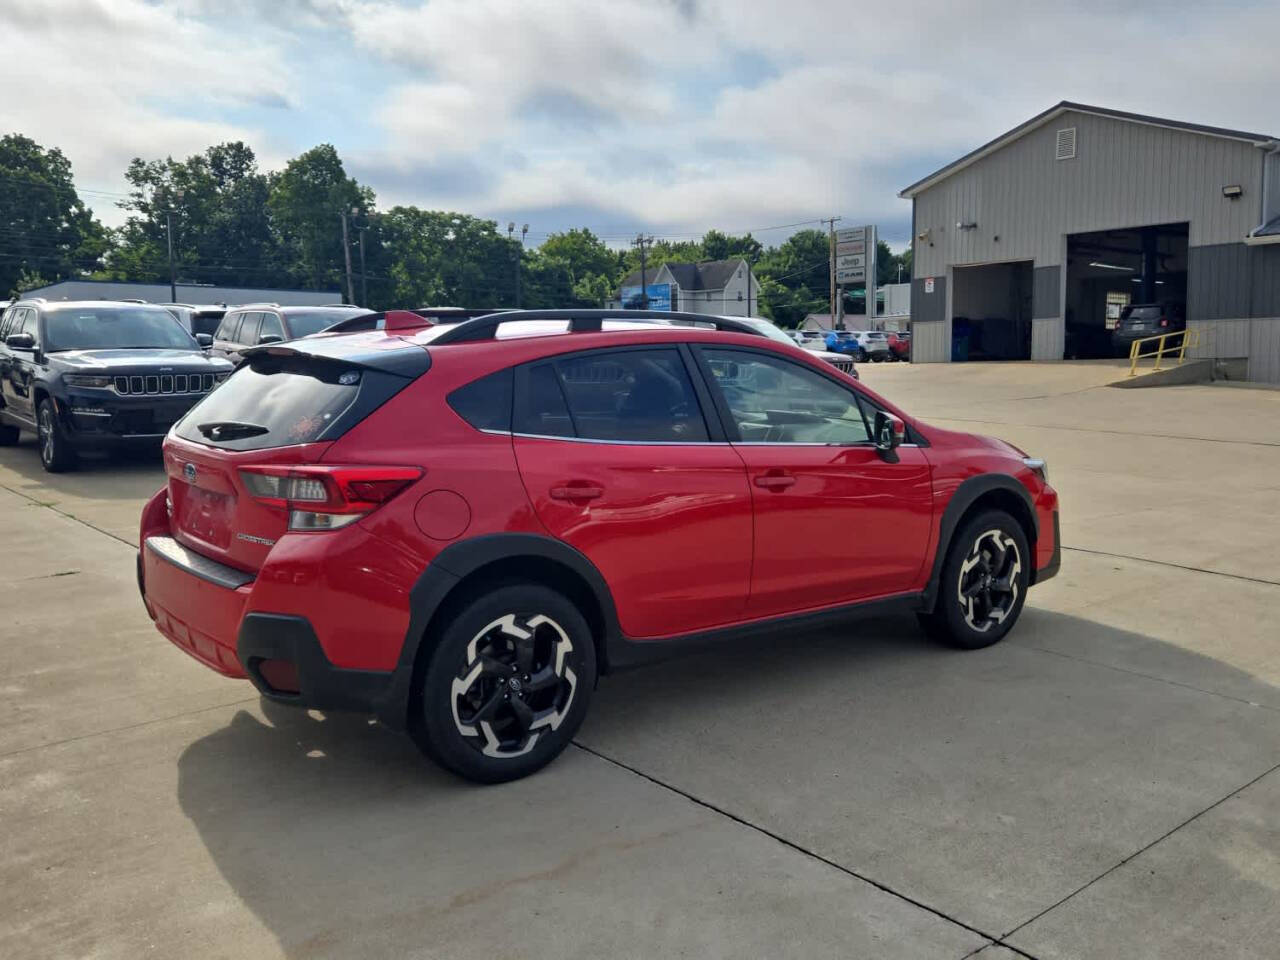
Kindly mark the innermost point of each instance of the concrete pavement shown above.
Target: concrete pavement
(1101, 784)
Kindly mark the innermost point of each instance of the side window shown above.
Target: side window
(485, 403)
(248, 334)
(635, 395)
(271, 327)
(227, 329)
(545, 414)
(28, 323)
(772, 400)
(4, 322)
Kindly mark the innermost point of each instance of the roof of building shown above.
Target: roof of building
(707, 275)
(1056, 111)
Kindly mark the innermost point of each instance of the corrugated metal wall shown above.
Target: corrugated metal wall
(1218, 281)
(1124, 175)
(1047, 338)
(1046, 292)
(930, 341)
(928, 307)
(1264, 350)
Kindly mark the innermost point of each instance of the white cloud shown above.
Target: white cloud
(109, 81)
(675, 115)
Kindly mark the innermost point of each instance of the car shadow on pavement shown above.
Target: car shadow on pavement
(338, 835)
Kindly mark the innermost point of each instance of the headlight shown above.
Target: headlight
(81, 380)
(1038, 466)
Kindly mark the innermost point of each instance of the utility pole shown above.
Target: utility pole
(831, 225)
(640, 242)
(346, 250)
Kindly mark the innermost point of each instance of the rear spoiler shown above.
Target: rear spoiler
(371, 351)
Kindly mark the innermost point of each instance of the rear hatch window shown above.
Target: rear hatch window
(284, 401)
(1141, 316)
(275, 411)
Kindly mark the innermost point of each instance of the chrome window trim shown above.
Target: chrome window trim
(691, 443)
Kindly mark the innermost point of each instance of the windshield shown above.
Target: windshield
(111, 327)
(305, 324)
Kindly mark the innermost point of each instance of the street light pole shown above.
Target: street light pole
(168, 230)
(346, 252)
(364, 282)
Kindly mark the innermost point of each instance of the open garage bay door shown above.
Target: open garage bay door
(991, 312)
(1110, 270)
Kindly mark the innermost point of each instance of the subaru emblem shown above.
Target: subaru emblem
(189, 472)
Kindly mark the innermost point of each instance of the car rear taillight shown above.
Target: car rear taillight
(326, 497)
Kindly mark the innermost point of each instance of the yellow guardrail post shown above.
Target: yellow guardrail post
(1136, 354)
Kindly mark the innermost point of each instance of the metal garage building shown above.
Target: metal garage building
(1027, 246)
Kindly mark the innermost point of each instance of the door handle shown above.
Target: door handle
(775, 481)
(577, 490)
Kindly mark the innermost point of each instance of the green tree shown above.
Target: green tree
(222, 233)
(47, 231)
(794, 277)
(306, 203)
(720, 246)
(887, 263)
(570, 269)
(439, 258)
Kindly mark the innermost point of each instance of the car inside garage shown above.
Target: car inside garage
(991, 312)
(1111, 270)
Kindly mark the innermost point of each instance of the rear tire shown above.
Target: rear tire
(8, 435)
(983, 585)
(56, 454)
(507, 685)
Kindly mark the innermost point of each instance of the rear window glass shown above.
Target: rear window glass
(640, 396)
(1141, 313)
(272, 404)
(486, 403)
(546, 414)
(305, 324)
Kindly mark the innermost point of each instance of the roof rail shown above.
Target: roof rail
(584, 321)
(261, 303)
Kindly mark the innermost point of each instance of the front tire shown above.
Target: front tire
(56, 454)
(983, 583)
(507, 685)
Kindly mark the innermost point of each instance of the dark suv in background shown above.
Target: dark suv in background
(199, 319)
(255, 324)
(96, 375)
(1139, 320)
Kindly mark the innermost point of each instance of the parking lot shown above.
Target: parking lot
(1101, 784)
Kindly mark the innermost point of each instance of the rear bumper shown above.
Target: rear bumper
(267, 637)
(200, 606)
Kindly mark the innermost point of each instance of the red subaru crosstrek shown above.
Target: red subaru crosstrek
(460, 527)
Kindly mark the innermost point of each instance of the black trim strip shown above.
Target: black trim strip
(167, 548)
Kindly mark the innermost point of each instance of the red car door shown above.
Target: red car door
(620, 463)
(834, 522)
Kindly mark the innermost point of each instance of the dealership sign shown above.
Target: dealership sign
(659, 297)
(854, 253)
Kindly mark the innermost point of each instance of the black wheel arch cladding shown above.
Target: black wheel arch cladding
(501, 556)
(988, 491)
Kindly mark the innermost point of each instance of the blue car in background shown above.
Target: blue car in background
(843, 341)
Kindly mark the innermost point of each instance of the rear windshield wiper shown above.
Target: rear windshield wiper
(230, 430)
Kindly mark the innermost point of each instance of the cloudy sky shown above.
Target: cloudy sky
(671, 116)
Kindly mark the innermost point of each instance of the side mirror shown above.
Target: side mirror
(270, 338)
(890, 432)
(20, 341)
(205, 340)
